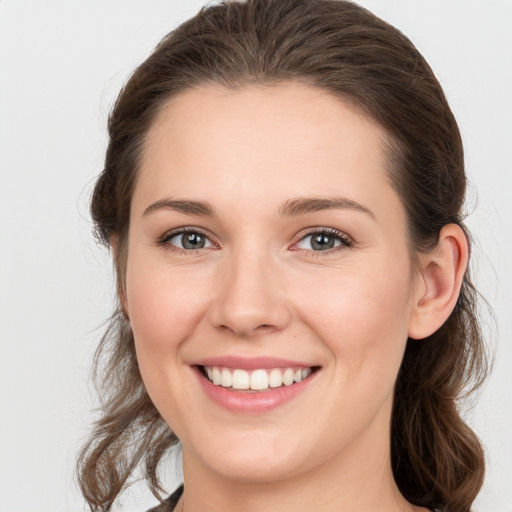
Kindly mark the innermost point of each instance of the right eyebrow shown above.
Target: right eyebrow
(191, 207)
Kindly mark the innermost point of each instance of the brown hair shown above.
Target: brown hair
(342, 48)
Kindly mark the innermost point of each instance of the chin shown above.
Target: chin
(259, 470)
(262, 458)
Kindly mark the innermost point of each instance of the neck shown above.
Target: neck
(361, 483)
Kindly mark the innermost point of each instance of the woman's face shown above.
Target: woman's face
(266, 244)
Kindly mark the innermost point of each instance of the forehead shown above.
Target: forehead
(260, 144)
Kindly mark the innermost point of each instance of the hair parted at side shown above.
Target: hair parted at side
(342, 48)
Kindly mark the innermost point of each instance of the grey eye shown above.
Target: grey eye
(190, 240)
(321, 241)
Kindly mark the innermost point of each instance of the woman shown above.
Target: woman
(283, 193)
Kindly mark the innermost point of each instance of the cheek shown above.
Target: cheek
(164, 306)
(362, 316)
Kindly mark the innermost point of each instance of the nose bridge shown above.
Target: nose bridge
(250, 297)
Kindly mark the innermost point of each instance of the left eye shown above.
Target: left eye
(189, 240)
(321, 241)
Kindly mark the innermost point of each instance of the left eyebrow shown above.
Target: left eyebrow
(303, 205)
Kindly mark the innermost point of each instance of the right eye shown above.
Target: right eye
(187, 240)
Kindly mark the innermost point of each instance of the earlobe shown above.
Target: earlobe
(122, 301)
(439, 282)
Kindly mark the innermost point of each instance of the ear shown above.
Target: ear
(438, 284)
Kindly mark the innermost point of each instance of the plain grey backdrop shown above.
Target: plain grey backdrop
(61, 65)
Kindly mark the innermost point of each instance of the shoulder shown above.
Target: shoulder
(169, 504)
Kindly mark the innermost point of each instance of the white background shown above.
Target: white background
(61, 65)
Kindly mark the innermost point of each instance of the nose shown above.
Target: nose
(251, 297)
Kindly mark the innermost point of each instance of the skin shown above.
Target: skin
(258, 288)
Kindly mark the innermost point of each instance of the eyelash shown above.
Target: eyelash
(345, 241)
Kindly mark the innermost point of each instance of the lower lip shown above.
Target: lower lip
(252, 402)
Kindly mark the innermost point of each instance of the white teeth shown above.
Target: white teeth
(240, 379)
(257, 380)
(288, 377)
(275, 378)
(226, 379)
(216, 376)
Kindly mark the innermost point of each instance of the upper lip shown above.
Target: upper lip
(250, 363)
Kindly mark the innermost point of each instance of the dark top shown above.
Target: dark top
(169, 504)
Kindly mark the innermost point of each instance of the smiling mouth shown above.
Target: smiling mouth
(259, 380)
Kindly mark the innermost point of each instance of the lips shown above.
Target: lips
(251, 363)
(253, 385)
